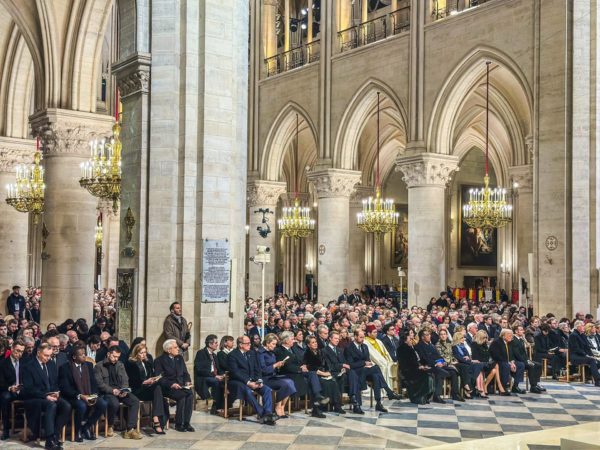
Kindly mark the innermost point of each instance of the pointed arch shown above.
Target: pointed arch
(359, 109)
(463, 81)
(280, 135)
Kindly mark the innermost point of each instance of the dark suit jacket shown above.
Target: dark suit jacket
(578, 345)
(356, 358)
(222, 357)
(8, 376)
(519, 350)
(173, 370)
(292, 364)
(12, 301)
(333, 359)
(202, 371)
(35, 383)
(498, 351)
(428, 353)
(391, 344)
(243, 368)
(68, 388)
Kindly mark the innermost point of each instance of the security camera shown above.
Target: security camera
(262, 249)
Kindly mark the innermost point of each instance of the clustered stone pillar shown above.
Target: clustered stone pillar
(357, 244)
(110, 246)
(523, 219)
(13, 224)
(269, 34)
(426, 176)
(333, 187)
(262, 195)
(70, 212)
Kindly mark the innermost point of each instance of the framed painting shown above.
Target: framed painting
(477, 247)
(399, 250)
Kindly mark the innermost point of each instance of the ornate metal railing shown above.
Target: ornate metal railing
(376, 29)
(452, 7)
(294, 58)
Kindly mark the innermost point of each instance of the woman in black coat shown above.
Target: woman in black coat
(144, 386)
(419, 384)
(314, 361)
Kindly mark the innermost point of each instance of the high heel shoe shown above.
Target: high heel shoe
(156, 426)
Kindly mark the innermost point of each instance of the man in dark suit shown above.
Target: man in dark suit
(357, 357)
(354, 298)
(390, 341)
(250, 329)
(534, 370)
(246, 377)
(109, 342)
(488, 326)
(340, 369)
(10, 383)
(580, 351)
(343, 297)
(322, 336)
(209, 375)
(41, 394)
(15, 303)
(176, 383)
(58, 358)
(502, 353)
(439, 367)
(79, 388)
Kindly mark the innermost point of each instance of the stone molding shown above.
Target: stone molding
(264, 193)
(66, 132)
(133, 74)
(289, 197)
(15, 151)
(523, 175)
(360, 193)
(427, 169)
(331, 183)
(274, 3)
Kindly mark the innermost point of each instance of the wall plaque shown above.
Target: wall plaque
(551, 243)
(216, 271)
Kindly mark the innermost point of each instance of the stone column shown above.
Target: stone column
(269, 34)
(262, 195)
(110, 246)
(70, 212)
(523, 220)
(13, 224)
(333, 187)
(426, 176)
(357, 250)
(344, 15)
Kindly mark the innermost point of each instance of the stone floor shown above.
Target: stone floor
(500, 420)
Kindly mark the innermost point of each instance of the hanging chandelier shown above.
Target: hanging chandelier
(378, 215)
(27, 194)
(101, 174)
(487, 207)
(295, 221)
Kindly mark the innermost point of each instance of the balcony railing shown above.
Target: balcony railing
(294, 58)
(453, 7)
(376, 29)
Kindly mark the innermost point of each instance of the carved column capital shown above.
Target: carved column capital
(66, 132)
(331, 183)
(133, 74)
(262, 192)
(15, 151)
(523, 176)
(427, 169)
(360, 193)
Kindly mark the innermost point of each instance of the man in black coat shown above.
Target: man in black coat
(439, 368)
(502, 353)
(534, 370)
(10, 384)
(176, 383)
(41, 394)
(340, 369)
(78, 386)
(390, 341)
(354, 298)
(209, 375)
(245, 375)
(357, 357)
(580, 351)
(15, 303)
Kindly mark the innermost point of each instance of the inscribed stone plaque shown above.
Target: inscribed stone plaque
(216, 271)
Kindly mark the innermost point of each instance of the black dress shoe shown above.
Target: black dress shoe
(541, 388)
(89, 433)
(180, 428)
(458, 398)
(356, 409)
(517, 390)
(393, 396)
(188, 427)
(316, 412)
(379, 407)
(51, 445)
(78, 436)
(439, 400)
(505, 394)
(535, 390)
(338, 409)
(322, 400)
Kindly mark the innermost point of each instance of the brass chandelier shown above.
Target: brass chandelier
(487, 207)
(378, 215)
(295, 221)
(101, 174)
(27, 194)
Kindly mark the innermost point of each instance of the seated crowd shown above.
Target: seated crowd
(307, 349)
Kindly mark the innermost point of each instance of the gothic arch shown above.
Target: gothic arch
(280, 135)
(517, 112)
(359, 109)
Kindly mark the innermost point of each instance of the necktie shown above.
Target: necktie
(213, 367)
(46, 372)
(17, 372)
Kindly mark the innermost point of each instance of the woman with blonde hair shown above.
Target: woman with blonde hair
(269, 366)
(480, 351)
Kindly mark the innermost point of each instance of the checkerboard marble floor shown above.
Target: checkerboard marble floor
(405, 426)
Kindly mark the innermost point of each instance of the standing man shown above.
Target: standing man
(15, 303)
(176, 328)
